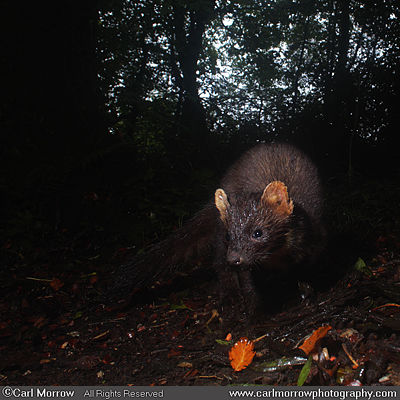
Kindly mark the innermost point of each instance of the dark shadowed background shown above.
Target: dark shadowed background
(119, 117)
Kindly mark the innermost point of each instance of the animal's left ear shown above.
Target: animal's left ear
(222, 203)
(275, 196)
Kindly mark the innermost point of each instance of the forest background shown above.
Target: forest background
(119, 117)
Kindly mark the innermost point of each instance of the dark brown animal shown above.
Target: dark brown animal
(265, 216)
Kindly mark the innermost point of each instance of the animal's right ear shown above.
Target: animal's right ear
(222, 203)
(276, 197)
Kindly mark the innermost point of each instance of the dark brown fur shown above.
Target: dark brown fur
(250, 225)
(254, 232)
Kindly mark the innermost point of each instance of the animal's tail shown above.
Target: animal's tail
(194, 239)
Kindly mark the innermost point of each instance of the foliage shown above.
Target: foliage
(241, 354)
(261, 63)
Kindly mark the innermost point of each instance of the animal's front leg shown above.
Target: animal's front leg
(229, 294)
(249, 295)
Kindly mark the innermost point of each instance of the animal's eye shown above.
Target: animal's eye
(257, 233)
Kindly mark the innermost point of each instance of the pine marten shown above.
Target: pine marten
(265, 215)
(270, 207)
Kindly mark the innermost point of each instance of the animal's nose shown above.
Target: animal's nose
(234, 258)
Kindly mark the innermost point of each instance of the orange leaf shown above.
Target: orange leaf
(241, 354)
(310, 343)
(174, 353)
(93, 279)
(56, 284)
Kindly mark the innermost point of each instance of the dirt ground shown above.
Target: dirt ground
(54, 330)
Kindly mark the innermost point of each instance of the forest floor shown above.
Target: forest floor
(54, 332)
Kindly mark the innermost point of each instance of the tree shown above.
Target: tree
(256, 68)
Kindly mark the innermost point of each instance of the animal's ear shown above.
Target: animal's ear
(222, 203)
(275, 197)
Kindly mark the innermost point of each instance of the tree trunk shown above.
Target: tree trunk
(189, 24)
(338, 95)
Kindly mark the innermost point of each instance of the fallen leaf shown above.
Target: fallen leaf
(173, 353)
(310, 343)
(185, 364)
(305, 371)
(87, 362)
(356, 382)
(93, 280)
(362, 267)
(224, 342)
(77, 315)
(280, 364)
(56, 284)
(241, 354)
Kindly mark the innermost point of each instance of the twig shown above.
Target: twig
(386, 305)
(355, 363)
(211, 377)
(213, 315)
(260, 338)
(38, 279)
(101, 335)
